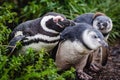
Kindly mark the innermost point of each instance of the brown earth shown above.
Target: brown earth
(112, 70)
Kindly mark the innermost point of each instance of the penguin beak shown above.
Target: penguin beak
(59, 24)
(103, 43)
(65, 23)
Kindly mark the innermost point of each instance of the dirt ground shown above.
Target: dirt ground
(112, 70)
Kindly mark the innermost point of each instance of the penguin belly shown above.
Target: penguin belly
(40, 45)
(69, 54)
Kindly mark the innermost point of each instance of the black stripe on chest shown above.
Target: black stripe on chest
(37, 41)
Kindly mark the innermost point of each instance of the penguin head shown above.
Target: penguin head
(84, 33)
(55, 21)
(93, 39)
(103, 23)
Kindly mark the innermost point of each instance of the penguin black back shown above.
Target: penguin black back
(84, 18)
(74, 32)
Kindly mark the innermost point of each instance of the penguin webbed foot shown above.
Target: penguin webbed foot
(83, 76)
(95, 67)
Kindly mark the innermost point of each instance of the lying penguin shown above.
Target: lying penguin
(77, 42)
(103, 23)
(39, 33)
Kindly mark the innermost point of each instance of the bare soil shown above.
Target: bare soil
(112, 70)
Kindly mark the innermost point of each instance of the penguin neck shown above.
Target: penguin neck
(84, 40)
(105, 34)
(86, 46)
(43, 24)
(49, 25)
(80, 47)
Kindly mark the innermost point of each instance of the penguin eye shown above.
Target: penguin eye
(98, 23)
(109, 21)
(94, 36)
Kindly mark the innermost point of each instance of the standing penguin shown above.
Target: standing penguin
(103, 23)
(77, 42)
(39, 33)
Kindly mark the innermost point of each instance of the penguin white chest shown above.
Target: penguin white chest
(40, 45)
(71, 52)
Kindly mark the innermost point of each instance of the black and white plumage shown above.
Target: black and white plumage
(40, 33)
(103, 23)
(75, 45)
(98, 20)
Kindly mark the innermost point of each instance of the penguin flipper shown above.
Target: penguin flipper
(105, 53)
(55, 50)
(12, 44)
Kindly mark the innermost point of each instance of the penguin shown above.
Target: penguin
(39, 33)
(98, 20)
(104, 24)
(75, 45)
